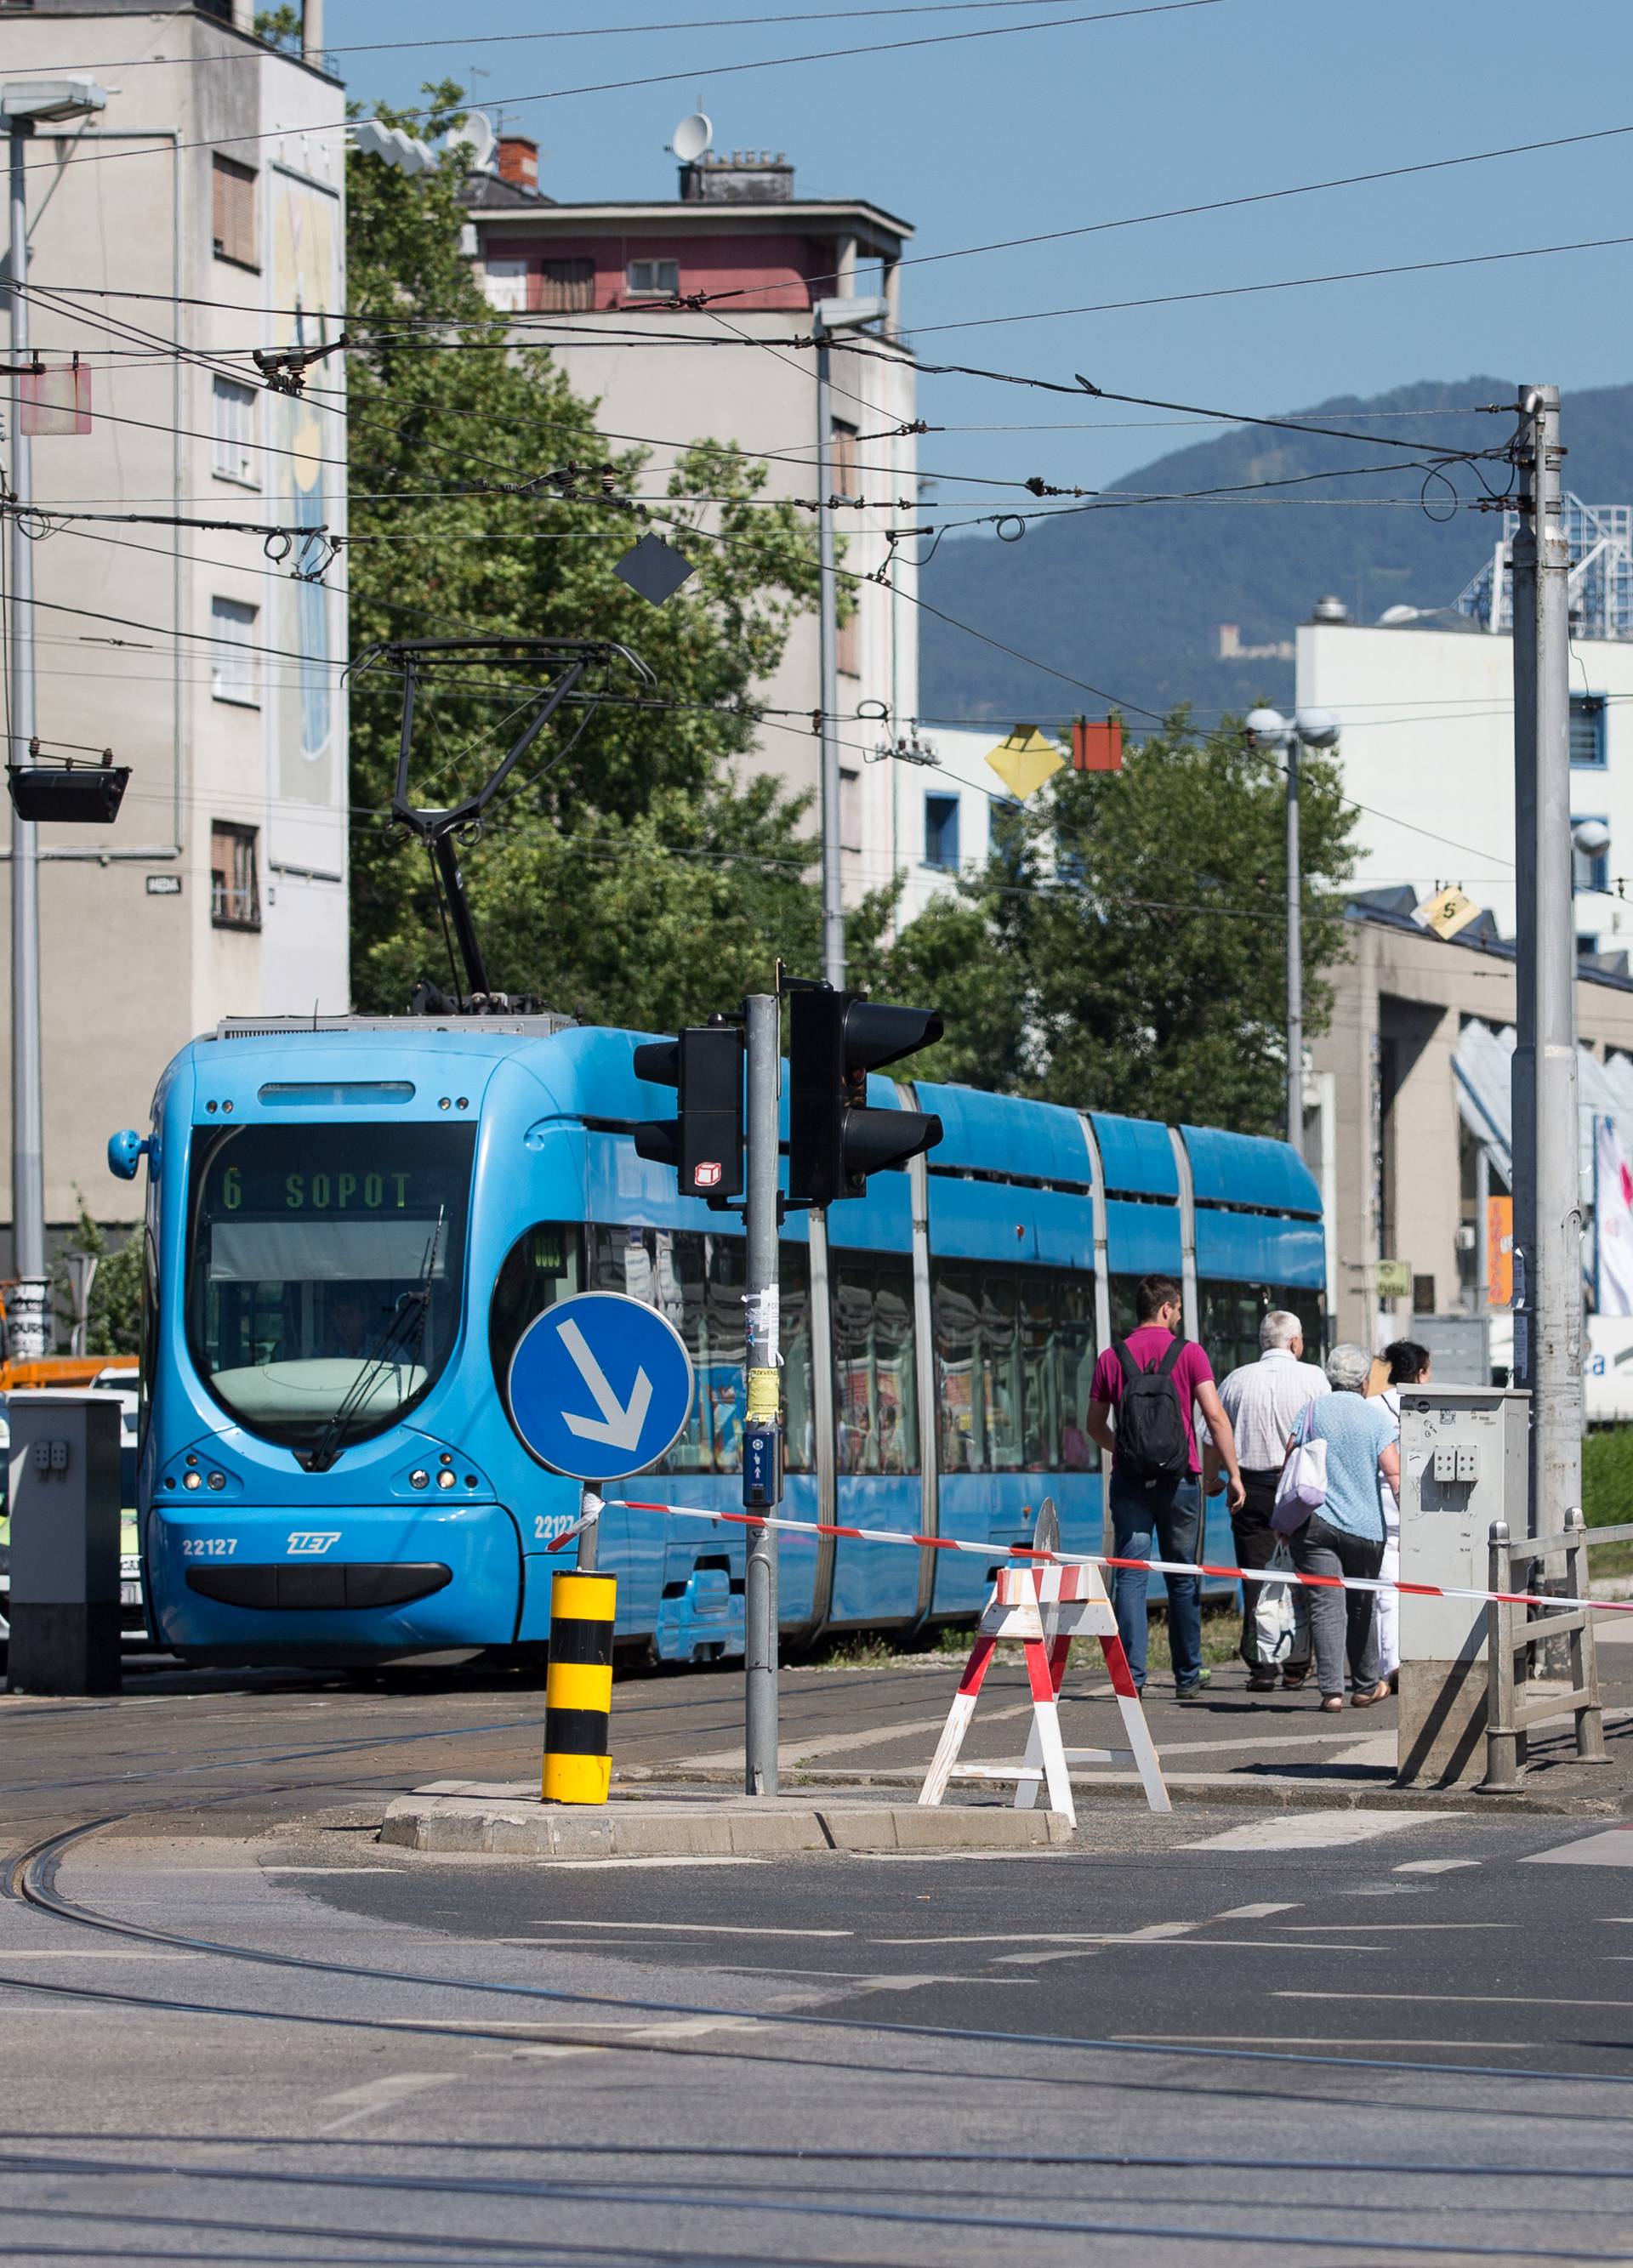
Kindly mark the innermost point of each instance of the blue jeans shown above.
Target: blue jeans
(1170, 1513)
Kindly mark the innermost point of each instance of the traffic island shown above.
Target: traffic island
(508, 1821)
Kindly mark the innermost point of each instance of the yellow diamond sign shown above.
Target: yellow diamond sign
(1025, 761)
(1447, 912)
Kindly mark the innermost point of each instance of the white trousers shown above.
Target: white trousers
(1389, 1607)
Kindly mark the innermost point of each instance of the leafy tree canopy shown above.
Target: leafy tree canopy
(1124, 948)
(639, 870)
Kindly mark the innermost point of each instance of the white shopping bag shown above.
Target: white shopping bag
(1275, 1618)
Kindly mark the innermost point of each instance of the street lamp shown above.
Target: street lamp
(828, 317)
(1309, 728)
(24, 104)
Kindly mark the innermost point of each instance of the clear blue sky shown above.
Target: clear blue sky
(1080, 122)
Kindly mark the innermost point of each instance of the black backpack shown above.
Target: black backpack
(1152, 1444)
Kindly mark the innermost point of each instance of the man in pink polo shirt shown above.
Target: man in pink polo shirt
(1154, 1464)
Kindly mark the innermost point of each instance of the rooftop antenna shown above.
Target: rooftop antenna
(692, 136)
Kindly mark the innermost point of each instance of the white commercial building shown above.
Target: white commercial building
(1426, 706)
(198, 216)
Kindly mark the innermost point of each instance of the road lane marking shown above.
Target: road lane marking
(1612, 1848)
(706, 1928)
(1464, 2000)
(382, 2094)
(1316, 1831)
(86, 1953)
(1261, 1911)
(1323, 1926)
(1317, 2040)
(1435, 1866)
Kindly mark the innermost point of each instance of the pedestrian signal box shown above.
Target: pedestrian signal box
(704, 1142)
(835, 1141)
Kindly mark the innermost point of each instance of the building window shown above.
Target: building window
(941, 832)
(1590, 869)
(568, 286)
(231, 655)
(651, 279)
(234, 888)
(505, 283)
(1587, 729)
(846, 482)
(233, 207)
(234, 457)
(850, 810)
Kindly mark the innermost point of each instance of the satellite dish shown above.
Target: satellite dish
(692, 136)
(477, 129)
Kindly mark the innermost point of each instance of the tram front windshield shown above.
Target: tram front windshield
(325, 1269)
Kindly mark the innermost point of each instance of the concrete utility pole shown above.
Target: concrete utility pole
(762, 1395)
(828, 633)
(1547, 1222)
(1308, 728)
(27, 1119)
(26, 104)
(1294, 959)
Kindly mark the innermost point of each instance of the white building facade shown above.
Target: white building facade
(198, 216)
(597, 282)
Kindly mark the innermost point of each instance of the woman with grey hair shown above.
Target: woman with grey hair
(1346, 1535)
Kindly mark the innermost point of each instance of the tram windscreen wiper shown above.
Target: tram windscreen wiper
(398, 1341)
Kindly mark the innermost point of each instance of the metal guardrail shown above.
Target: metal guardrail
(1512, 1630)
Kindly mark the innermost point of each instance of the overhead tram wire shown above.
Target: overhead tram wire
(1089, 228)
(708, 71)
(460, 42)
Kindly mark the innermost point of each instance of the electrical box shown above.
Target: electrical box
(64, 1481)
(1463, 1465)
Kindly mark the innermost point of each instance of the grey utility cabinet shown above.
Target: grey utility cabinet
(65, 1504)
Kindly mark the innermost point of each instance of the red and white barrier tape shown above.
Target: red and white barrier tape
(1025, 1551)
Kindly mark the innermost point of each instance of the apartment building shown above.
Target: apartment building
(198, 216)
(600, 284)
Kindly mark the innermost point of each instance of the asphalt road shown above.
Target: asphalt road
(237, 2028)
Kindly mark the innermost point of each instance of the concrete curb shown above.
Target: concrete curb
(1204, 1790)
(502, 1822)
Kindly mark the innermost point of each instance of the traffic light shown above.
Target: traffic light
(704, 1144)
(834, 1140)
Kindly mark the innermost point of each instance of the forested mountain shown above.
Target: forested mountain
(1130, 598)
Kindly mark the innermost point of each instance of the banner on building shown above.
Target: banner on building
(1499, 1252)
(1613, 1216)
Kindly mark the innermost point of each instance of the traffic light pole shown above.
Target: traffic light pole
(762, 1383)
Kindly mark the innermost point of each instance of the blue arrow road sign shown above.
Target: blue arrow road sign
(600, 1385)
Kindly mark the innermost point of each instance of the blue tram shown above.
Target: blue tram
(351, 1222)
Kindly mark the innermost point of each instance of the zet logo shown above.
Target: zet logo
(706, 1175)
(311, 1543)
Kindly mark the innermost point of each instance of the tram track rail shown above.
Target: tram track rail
(738, 2181)
(30, 1879)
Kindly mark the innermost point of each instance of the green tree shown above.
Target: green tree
(1124, 948)
(115, 1310)
(484, 501)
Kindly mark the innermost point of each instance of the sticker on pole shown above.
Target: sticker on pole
(600, 1385)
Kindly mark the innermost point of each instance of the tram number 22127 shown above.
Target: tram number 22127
(549, 1524)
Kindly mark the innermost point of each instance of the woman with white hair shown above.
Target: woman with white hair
(1346, 1535)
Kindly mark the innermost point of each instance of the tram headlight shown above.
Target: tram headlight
(192, 1480)
(445, 1479)
(215, 1480)
(419, 1478)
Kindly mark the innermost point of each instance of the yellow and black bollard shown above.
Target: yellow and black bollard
(578, 1689)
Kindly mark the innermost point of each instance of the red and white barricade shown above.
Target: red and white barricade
(1043, 1608)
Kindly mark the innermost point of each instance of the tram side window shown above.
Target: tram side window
(1124, 1317)
(1015, 1358)
(877, 1396)
(694, 1279)
(1231, 1314)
